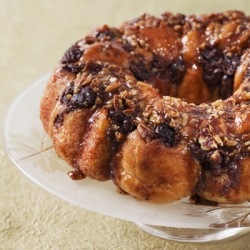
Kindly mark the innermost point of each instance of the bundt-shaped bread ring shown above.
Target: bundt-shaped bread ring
(161, 106)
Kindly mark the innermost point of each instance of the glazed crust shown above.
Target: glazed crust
(160, 106)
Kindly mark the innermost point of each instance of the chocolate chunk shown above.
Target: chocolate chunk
(84, 98)
(221, 165)
(68, 91)
(59, 120)
(227, 166)
(117, 116)
(106, 32)
(230, 64)
(127, 126)
(169, 70)
(212, 60)
(212, 55)
(219, 70)
(160, 63)
(167, 134)
(124, 123)
(139, 70)
(74, 68)
(72, 55)
(127, 47)
(93, 68)
(177, 70)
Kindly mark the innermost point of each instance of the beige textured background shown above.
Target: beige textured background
(33, 37)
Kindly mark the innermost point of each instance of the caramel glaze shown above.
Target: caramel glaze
(160, 106)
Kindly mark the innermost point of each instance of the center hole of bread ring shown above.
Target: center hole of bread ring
(208, 77)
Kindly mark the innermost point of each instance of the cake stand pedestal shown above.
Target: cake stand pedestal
(194, 235)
